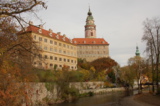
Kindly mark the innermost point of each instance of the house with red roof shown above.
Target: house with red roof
(55, 50)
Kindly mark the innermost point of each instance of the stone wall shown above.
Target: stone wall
(42, 93)
(102, 90)
(87, 85)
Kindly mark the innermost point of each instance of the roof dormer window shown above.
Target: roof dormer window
(84, 41)
(63, 38)
(50, 34)
(40, 30)
(57, 36)
(70, 40)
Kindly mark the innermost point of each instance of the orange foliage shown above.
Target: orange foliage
(103, 64)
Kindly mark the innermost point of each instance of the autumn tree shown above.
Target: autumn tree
(138, 65)
(127, 76)
(103, 64)
(152, 38)
(15, 53)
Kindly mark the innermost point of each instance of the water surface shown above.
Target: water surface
(107, 99)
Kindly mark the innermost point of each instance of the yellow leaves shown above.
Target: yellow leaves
(92, 69)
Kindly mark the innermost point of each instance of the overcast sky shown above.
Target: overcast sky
(119, 22)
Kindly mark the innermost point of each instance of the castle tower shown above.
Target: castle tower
(90, 27)
(137, 51)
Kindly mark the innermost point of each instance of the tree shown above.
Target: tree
(15, 53)
(102, 64)
(138, 65)
(152, 38)
(14, 8)
(127, 76)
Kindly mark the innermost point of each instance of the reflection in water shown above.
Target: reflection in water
(108, 99)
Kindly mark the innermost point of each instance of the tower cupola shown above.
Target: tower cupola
(137, 51)
(90, 27)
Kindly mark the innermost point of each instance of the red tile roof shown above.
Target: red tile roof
(93, 41)
(35, 29)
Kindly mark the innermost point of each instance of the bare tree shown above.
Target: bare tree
(14, 8)
(152, 38)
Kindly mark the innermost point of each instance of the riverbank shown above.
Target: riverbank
(145, 99)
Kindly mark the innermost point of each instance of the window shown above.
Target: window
(55, 58)
(40, 56)
(40, 64)
(72, 61)
(60, 59)
(68, 60)
(45, 56)
(35, 37)
(40, 38)
(64, 52)
(60, 65)
(91, 33)
(64, 45)
(60, 51)
(40, 47)
(64, 60)
(51, 65)
(51, 42)
(45, 40)
(45, 47)
(55, 49)
(51, 57)
(55, 43)
(51, 49)
(59, 44)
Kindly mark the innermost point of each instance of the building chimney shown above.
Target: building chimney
(64, 35)
(59, 33)
(30, 23)
(50, 30)
(41, 26)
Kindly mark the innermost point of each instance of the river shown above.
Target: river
(108, 99)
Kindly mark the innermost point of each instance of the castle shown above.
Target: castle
(57, 49)
(91, 47)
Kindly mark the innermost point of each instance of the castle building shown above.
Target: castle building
(55, 49)
(58, 50)
(91, 47)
